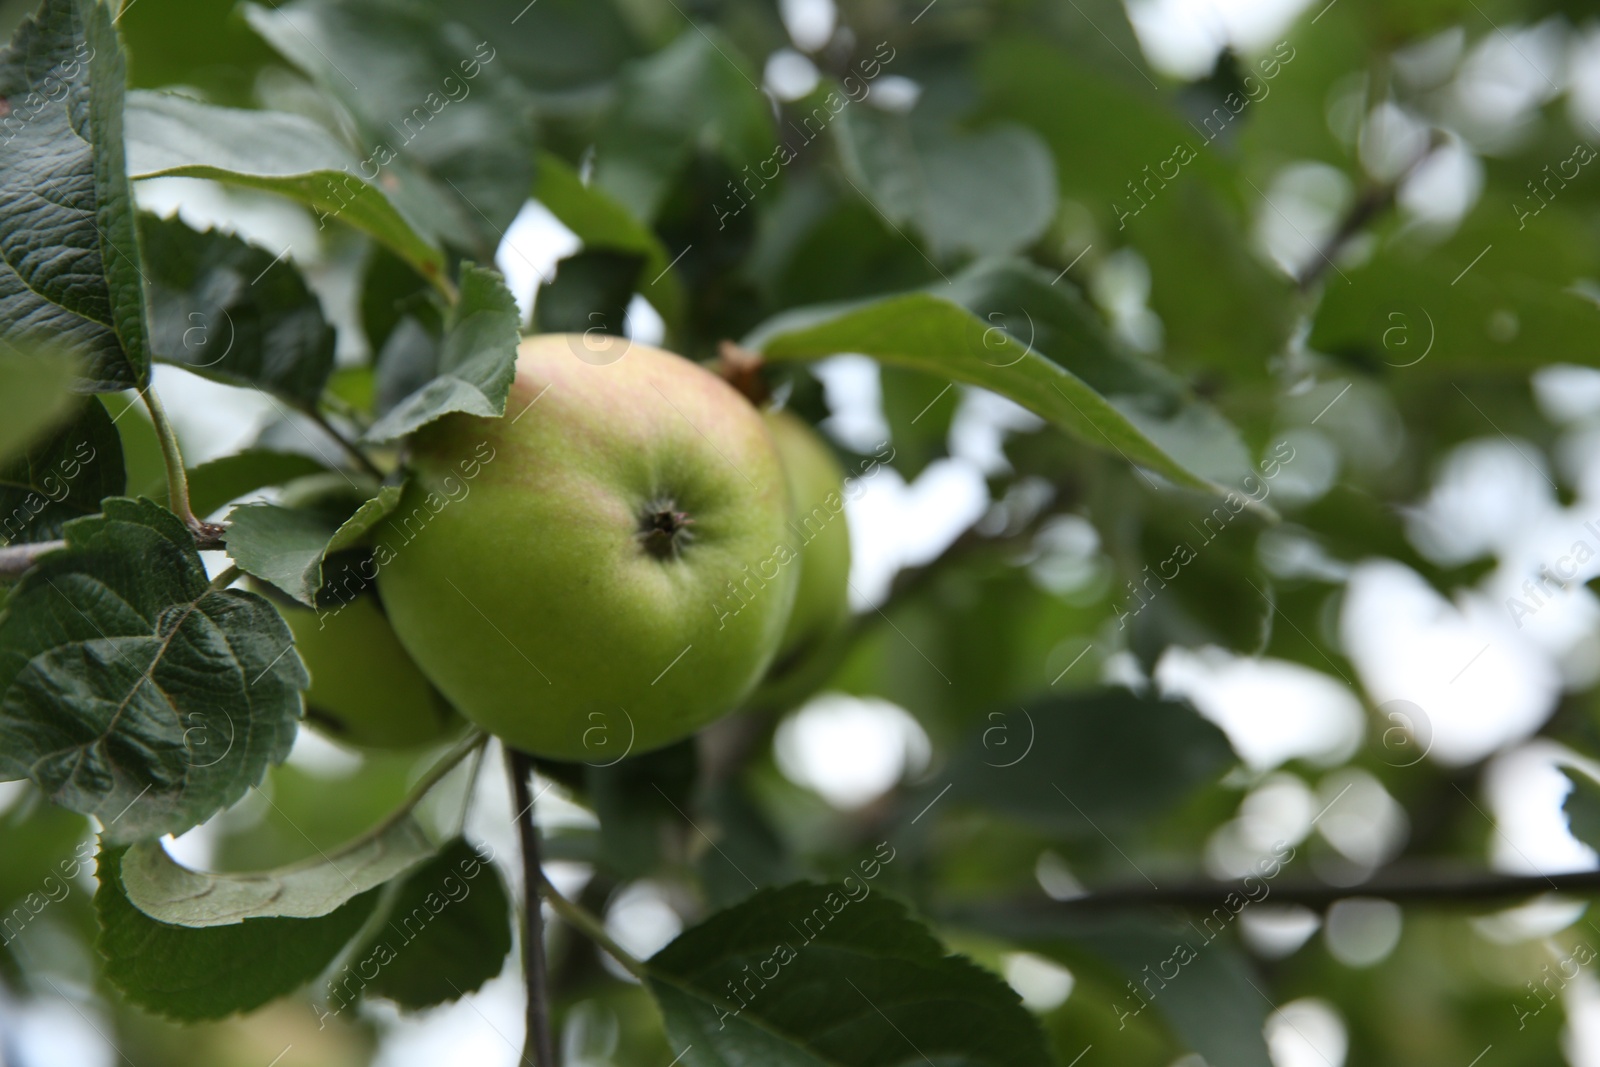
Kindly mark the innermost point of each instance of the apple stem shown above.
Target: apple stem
(537, 1047)
(741, 368)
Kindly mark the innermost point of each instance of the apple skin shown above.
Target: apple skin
(365, 691)
(816, 493)
(520, 573)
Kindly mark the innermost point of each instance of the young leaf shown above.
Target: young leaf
(286, 546)
(188, 974)
(171, 893)
(122, 674)
(231, 311)
(62, 477)
(448, 931)
(69, 255)
(435, 104)
(477, 359)
(280, 153)
(825, 975)
(936, 333)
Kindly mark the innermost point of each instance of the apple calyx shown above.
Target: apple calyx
(664, 530)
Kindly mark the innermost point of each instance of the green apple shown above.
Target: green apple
(816, 493)
(365, 690)
(606, 567)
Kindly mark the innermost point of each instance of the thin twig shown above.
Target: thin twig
(1367, 207)
(432, 777)
(354, 450)
(592, 928)
(538, 1042)
(1415, 885)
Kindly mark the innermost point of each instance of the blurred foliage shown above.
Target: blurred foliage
(1305, 276)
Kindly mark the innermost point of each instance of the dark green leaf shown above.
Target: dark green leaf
(935, 333)
(1214, 1004)
(199, 44)
(279, 153)
(1583, 808)
(590, 291)
(919, 408)
(189, 974)
(1107, 757)
(749, 855)
(405, 364)
(477, 359)
(968, 194)
(635, 797)
(602, 223)
(213, 484)
(554, 44)
(435, 102)
(448, 932)
(69, 255)
(1495, 294)
(693, 92)
(234, 312)
(391, 291)
(286, 546)
(1028, 304)
(62, 477)
(806, 975)
(121, 668)
(1219, 303)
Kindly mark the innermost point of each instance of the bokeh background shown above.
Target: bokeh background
(1391, 686)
